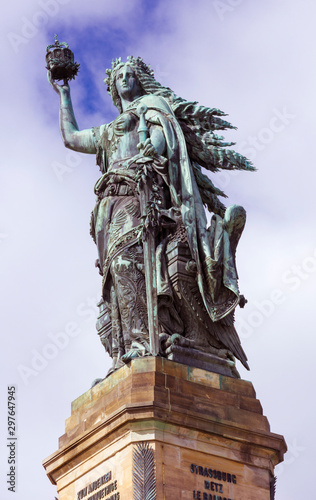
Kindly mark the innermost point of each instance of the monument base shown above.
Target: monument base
(204, 360)
(157, 429)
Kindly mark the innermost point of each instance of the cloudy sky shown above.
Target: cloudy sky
(253, 59)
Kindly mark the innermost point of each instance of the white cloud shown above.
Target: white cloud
(254, 60)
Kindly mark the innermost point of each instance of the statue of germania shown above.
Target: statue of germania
(169, 279)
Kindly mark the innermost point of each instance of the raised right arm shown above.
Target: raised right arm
(78, 140)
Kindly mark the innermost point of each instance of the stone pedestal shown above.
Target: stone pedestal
(157, 429)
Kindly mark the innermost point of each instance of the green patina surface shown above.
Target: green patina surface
(151, 198)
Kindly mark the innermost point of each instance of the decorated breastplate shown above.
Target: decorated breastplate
(124, 125)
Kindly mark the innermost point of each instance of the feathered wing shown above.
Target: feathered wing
(207, 149)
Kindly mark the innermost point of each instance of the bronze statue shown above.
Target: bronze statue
(169, 281)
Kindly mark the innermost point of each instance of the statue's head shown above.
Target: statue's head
(141, 75)
(126, 83)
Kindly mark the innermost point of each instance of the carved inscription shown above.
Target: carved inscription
(214, 485)
(98, 490)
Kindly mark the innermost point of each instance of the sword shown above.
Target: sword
(149, 243)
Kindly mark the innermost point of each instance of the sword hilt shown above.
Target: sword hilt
(142, 130)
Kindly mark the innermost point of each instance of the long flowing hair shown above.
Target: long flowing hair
(206, 149)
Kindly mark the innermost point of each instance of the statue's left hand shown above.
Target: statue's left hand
(147, 148)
